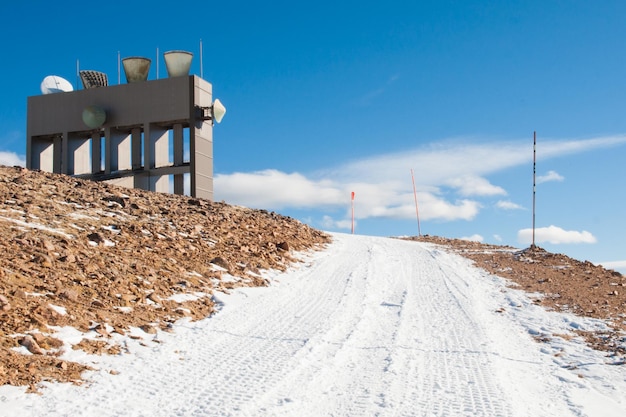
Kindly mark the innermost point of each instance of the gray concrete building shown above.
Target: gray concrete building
(143, 134)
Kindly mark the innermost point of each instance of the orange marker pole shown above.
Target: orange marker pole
(417, 213)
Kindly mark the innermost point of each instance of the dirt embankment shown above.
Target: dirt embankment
(103, 258)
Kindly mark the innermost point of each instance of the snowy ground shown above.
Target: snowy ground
(370, 327)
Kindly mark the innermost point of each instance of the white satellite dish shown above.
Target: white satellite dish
(218, 111)
(55, 84)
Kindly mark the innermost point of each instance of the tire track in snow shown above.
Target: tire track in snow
(402, 342)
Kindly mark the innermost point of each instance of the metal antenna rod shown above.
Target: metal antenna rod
(534, 182)
(201, 75)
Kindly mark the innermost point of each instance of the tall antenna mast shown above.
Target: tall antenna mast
(534, 182)
(77, 74)
(157, 63)
(119, 80)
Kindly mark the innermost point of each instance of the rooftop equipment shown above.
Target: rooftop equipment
(136, 68)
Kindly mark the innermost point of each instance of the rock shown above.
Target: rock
(67, 294)
(148, 328)
(29, 343)
(221, 262)
(115, 199)
(4, 303)
(48, 245)
(95, 237)
(283, 246)
(69, 258)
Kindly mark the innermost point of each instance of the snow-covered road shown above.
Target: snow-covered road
(370, 327)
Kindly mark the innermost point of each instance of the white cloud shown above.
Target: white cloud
(272, 189)
(446, 175)
(473, 238)
(276, 189)
(508, 205)
(550, 176)
(11, 159)
(471, 185)
(328, 223)
(498, 238)
(615, 265)
(555, 235)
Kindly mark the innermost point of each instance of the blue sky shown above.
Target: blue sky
(325, 98)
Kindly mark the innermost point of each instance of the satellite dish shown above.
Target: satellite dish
(94, 116)
(55, 84)
(218, 111)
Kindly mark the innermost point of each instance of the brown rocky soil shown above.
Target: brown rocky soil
(566, 284)
(104, 258)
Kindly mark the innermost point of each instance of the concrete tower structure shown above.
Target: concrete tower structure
(144, 134)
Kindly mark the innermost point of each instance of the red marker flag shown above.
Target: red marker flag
(353, 195)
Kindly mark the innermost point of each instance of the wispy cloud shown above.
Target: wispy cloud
(450, 179)
(369, 97)
(550, 176)
(555, 235)
(508, 205)
(475, 186)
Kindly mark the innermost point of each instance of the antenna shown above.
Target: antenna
(119, 80)
(55, 84)
(201, 69)
(77, 74)
(534, 182)
(157, 63)
(93, 79)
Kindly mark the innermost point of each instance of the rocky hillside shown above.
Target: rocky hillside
(104, 259)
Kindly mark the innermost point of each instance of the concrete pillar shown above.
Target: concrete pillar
(179, 180)
(118, 150)
(136, 136)
(42, 154)
(78, 158)
(156, 146)
(201, 144)
(96, 152)
(141, 181)
(160, 183)
(58, 154)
